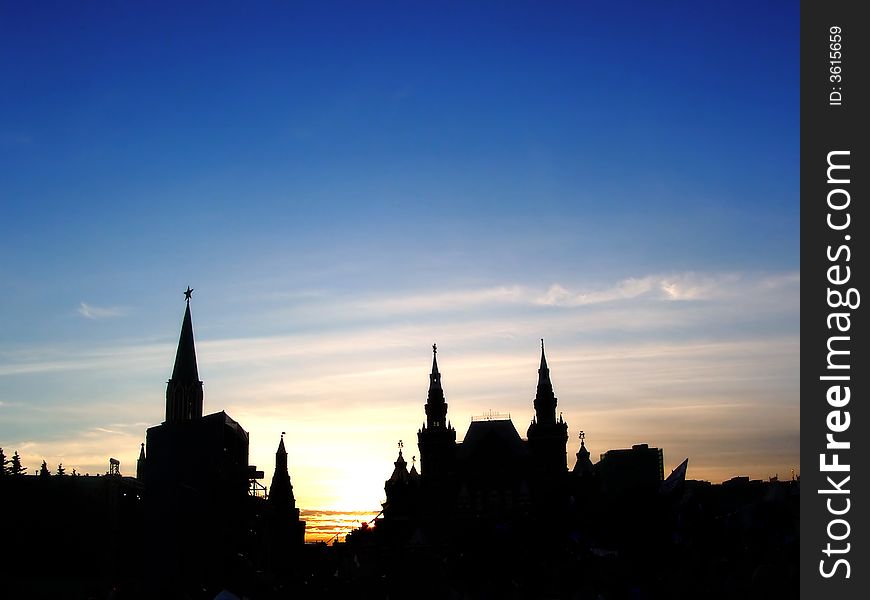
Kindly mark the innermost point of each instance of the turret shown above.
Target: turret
(437, 438)
(436, 407)
(583, 464)
(401, 489)
(545, 399)
(281, 491)
(140, 464)
(548, 437)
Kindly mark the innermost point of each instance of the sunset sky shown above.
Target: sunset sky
(343, 185)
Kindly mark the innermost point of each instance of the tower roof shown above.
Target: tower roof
(544, 370)
(545, 399)
(435, 376)
(436, 407)
(400, 472)
(492, 437)
(184, 389)
(185, 357)
(281, 490)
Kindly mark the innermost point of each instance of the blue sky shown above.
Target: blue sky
(353, 181)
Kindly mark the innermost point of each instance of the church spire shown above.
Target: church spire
(548, 437)
(545, 399)
(436, 407)
(544, 370)
(140, 464)
(184, 389)
(434, 376)
(281, 454)
(437, 439)
(281, 490)
(185, 357)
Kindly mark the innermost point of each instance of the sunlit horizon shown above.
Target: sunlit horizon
(345, 400)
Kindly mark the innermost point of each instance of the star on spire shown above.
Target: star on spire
(187, 293)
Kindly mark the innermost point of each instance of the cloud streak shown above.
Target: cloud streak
(642, 305)
(89, 311)
(677, 287)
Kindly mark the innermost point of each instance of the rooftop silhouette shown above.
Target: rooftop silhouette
(492, 514)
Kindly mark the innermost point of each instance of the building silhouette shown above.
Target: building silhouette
(198, 483)
(630, 468)
(492, 480)
(491, 515)
(285, 531)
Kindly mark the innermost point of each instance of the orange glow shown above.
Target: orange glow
(332, 525)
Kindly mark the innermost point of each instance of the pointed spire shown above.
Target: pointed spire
(281, 490)
(434, 376)
(140, 464)
(436, 407)
(281, 454)
(185, 357)
(184, 389)
(544, 370)
(545, 399)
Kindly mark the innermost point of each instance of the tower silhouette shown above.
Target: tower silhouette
(548, 437)
(184, 389)
(281, 490)
(491, 478)
(287, 532)
(197, 476)
(437, 437)
(140, 464)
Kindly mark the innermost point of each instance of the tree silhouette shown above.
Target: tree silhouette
(60, 470)
(16, 468)
(4, 470)
(43, 470)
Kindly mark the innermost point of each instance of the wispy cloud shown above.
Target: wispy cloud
(646, 298)
(680, 287)
(688, 303)
(89, 311)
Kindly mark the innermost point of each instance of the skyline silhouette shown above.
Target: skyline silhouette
(184, 401)
(345, 185)
(493, 513)
(301, 455)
